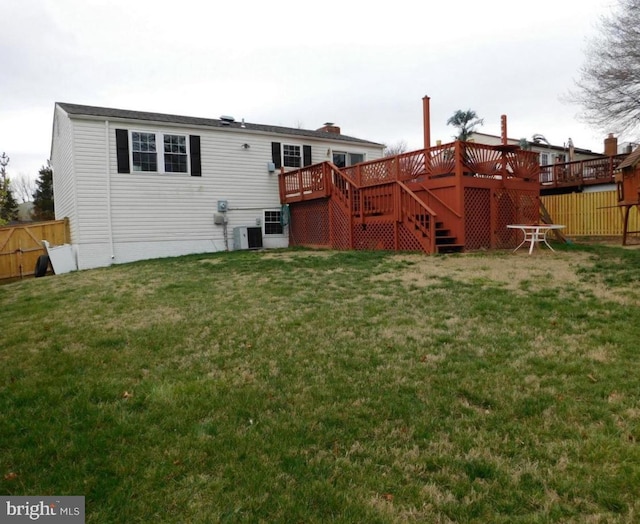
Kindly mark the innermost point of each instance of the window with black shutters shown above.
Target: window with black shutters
(155, 152)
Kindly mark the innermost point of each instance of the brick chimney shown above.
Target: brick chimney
(611, 145)
(329, 127)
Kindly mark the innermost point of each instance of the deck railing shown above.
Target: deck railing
(440, 161)
(306, 183)
(447, 160)
(580, 172)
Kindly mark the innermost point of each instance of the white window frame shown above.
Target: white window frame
(301, 157)
(265, 222)
(160, 160)
(347, 156)
(363, 155)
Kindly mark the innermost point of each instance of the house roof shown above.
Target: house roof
(631, 160)
(542, 146)
(104, 112)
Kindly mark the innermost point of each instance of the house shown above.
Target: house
(566, 168)
(137, 185)
(549, 153)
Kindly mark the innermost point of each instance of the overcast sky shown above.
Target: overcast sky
(363, 65)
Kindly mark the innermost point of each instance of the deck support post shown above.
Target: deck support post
(459, 151)
(625, 230)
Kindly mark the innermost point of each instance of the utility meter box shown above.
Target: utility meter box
(223, 205)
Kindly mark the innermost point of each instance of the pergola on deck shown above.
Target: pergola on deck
(452, 197)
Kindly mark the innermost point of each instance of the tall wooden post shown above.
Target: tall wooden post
(459, 151)
(505, 141)
(426, 126)
(426, 122)
(503, 130)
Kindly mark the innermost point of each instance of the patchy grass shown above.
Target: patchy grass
(306, 386)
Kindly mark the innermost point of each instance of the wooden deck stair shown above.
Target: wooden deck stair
(445, 242)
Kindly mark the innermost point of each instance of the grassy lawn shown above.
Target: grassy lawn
(303, 386)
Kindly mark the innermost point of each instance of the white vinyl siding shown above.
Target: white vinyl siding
(152, 214)
(90, 166)
(64, 187)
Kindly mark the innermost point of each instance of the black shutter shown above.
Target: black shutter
(194, 148)
(122, 150)
(306, 155)
(275, 154)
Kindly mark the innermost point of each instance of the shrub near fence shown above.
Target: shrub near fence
(21, 245)
(589, 214)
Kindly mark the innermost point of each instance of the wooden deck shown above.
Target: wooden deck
(574, 176)
(451, 197)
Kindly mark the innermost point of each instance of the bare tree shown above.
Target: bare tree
(24, 187)
(609, 86)
(396, 148)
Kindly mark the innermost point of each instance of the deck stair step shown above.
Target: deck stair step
(445, 240)
(449, 248)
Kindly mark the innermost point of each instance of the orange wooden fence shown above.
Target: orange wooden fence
(21, 245)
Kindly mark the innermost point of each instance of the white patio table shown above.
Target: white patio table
(534, 234)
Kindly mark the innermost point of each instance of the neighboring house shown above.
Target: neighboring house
(138, 185)
(549, 154)
(568, 168)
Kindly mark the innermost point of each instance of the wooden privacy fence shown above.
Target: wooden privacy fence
(589, 214)
(21, 245)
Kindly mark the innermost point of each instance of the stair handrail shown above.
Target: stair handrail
(430, 232)
(346, 189)
(332, 170)
(439, 200)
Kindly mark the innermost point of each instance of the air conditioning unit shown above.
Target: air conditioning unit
(246, 237)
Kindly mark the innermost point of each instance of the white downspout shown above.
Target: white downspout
(108, 173)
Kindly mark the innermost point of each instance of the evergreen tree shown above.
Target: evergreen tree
(8, 204)
(43, 196)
